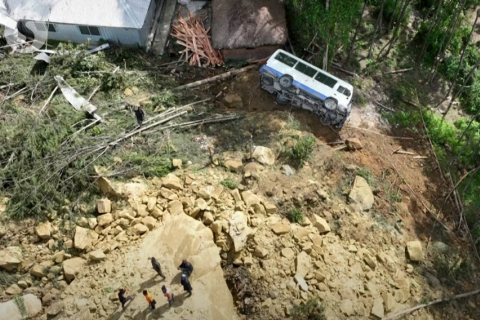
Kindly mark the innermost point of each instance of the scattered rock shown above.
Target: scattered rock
(104, 206)
(44, 230)
(247, 261)
(168, 194)
(353, 144)
(281, 228)
(84, 237)
(208, 218)
(301, 282)
(14, 290)
(105, 219)
(11, 258)
(139, 229)
(92, 223)
(377, 309)
(288, 253)
(171, 181)
(370, 261)
(22, 284)
(37, 271)
(264, 155)
(175, 207)
(233, 100)
(72, 267)
(149, 222)
(261, 252)
(361, 193)
(152, 202)
(10, 310)
(177, 163)
(304, 263)
(440, 247)
(388, 301)
(287, 170)
(414, 250)
(321, 224)
(346, 306)
(250, 199)
(128, 92)
(97, 255)
(201, 204)
(233, 165)
(239, 230)
(55, 308)
(270, 208)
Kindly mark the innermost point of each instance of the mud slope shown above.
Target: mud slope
(179, 237)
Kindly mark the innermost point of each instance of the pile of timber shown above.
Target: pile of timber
(192, 35)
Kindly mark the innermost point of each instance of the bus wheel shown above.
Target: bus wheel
(285, 81)
(281, 99)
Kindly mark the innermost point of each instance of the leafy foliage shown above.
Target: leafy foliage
(295, 215)
(312, 310)
(229, 183)
(301, 151)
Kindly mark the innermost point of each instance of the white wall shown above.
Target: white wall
(72, 33)
(147, 25)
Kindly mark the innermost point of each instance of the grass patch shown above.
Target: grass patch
(229, 183)
(452, 268)
(292, 123)
(312, 310)
(301, 151)
(21, 306)
(7, 279)
(366, 174)
(295, 215)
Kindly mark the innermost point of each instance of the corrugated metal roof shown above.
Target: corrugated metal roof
(102, 13)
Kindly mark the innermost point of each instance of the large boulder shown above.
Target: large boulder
(72, 267)
(171, 181)
(84, 237)
(30, 307)
(361, 194)
(44, 230)
(11, 258)
(414, 250)
(239, 230)
(264, 155)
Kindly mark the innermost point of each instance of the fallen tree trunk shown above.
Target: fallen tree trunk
(222, 76)
(421, 306)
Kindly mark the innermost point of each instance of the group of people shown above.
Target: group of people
(186, 268)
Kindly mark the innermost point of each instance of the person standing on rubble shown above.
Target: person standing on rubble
(186, 267)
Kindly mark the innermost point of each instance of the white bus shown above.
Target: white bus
(303, 85)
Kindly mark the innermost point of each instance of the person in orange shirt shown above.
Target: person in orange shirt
(150, 300)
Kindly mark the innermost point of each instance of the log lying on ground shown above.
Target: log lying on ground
(222, 76)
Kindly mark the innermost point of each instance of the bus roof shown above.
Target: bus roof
(343, 82)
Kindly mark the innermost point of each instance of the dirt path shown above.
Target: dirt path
(180, 237)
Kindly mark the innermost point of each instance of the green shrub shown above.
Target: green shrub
(301, 151)
(295, 215)
(366, 174)
(229, 183)
(312, 310)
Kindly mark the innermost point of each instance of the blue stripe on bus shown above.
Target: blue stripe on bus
(296, 83)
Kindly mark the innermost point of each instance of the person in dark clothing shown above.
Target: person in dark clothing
(157, 268)
(186, 284)
(140, 115)
(186, 268)
(122, 299)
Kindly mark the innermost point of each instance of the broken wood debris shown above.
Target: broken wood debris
(194, 37)
(222, 76)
